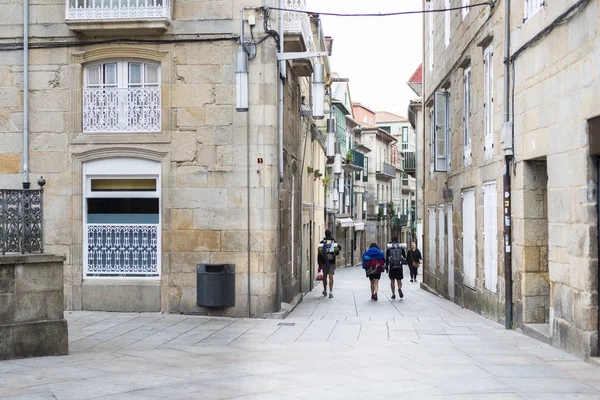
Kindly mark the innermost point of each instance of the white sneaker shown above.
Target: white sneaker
(325, 293)
(331, 295)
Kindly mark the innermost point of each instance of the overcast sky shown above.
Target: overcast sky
(377, 54)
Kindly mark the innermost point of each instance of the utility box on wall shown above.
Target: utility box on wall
(215, 285)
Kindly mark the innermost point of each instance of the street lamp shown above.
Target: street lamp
(241, 81)
(318, 100)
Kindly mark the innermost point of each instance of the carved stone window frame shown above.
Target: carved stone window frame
(79, 158)
(80, 58)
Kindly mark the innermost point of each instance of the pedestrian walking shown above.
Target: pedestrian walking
(328, 250)
(414, 260)
(395, 258)
(373, 263)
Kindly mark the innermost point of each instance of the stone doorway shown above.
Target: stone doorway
(535, 278)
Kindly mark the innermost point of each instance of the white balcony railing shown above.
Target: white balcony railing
(121, 110)
(298, 22)
(117, 9)
(122, 250)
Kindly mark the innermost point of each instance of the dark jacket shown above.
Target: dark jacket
(320, 258)
(413, 256)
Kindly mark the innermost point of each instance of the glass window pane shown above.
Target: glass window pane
(123, 185)
(151, 74)
(93, 75)
(110, 74)
(135, 73)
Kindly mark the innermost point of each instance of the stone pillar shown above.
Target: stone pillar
(31, 306)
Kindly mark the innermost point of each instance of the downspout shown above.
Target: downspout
(508, 281)
(280, 74)
(26, 182)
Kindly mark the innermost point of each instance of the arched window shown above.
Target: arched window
(122, 96)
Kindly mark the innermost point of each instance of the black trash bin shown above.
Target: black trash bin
(215, 285)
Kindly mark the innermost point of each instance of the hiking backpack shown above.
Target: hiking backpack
(330, 249)
(395, 258)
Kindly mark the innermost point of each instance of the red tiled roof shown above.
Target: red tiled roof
(417, 77)
(384, 116)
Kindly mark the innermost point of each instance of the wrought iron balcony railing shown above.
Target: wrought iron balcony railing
(294, 22)
(122, 110)
(21, 221)
(117, 9)
(122, 250)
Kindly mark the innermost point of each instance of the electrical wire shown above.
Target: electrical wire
(54, 44)
(388, 14)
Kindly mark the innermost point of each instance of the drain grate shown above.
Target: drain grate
(286, 324)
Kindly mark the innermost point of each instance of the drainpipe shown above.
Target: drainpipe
(26, 182)
(280, 74)
(508, 281)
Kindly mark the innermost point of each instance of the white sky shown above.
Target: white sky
(377, 54)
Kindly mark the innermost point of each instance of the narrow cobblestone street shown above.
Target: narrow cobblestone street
(348, 347)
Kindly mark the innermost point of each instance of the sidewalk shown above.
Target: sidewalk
(348, 347)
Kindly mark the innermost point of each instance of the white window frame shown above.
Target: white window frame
(532, 7)
(441, 131)
(121, 168)
(465, 11)
(123, 81)
(469, 244)
(467, 157)
(488, 100)
(447, 31)
(490, 236)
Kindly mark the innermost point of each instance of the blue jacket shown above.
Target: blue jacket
(372, 254)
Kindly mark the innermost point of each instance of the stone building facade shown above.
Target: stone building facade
(149, 168)
(381, 172)
(551, 157)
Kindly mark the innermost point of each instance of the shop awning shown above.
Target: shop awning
(359, 226)
(345, 222)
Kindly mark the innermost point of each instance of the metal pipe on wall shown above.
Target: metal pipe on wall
(26, 182)
(280, 72)
(247, 175)
(508, 281)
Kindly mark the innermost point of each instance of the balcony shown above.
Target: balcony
(354, 161)
(122, 110)
(400, 221)
(386, 172)
(409, 163)
(299, 35)
(106, 17)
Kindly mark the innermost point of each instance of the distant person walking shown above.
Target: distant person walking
(414, 260)
(328, 250)
(373, 263)
(395, 258)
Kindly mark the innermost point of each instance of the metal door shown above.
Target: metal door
(490, 236)
(432, 233)
(468, 239)
(450, 253)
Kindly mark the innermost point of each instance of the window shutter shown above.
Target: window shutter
(488, 102)
(441, 125)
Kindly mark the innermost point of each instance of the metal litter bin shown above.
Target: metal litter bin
(215, 285)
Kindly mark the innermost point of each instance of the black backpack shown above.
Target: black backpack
(395, 257)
